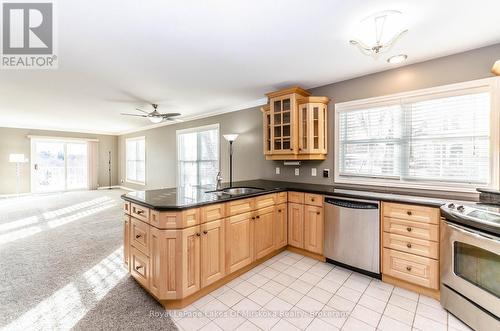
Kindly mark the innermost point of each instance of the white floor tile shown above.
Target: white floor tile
(294, 272)
(278, 305)
(290, 295)
(328, 285)
(429, 301)
(258, 280)
(355, 284)
(230, 322)
(338, 275)
(456, 324)
(299, 318)
(372, 303)
(234, 282)
(248, 326)
(269, 273)
(193, 323)
(203, 301)
(349, 293)
(317, 325)
(310, 305)
(301, 286)
(212, 308)
(211, 327)
(405, 293)
(245, 288)
(288, 260)
(388, 324)
(220, 291)
(378, 293)
(353, 324)
(403, 302)
(333, 317)
(302, 265)
(279, 266)
(266, 319)
(261, 297)
(246, 307)
(230, 297)
(424, 323)
(284, 325)
(341, 304)
(320, 269)
(437, 314)
(381, 285)
(273, 287)
(399, 314)
(366, 315)
(319, 294)
(310, 278)
(295, 256)
(284, 279)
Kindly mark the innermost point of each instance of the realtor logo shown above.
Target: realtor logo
(28, 35)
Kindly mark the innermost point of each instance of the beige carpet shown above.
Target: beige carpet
(61, 266)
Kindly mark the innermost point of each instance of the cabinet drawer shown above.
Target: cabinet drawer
(412, 212)
(411, 229)
(139, 235)
(239, 206)
(139, 267)
(212, 212)
(126, 207)
(139, 212)
(264, 201)
(296, 197)
(281, 197)
(411, 268)
(313, 199)
(174, 220)
(411, 245)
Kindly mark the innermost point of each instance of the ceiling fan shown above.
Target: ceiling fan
(155, 116)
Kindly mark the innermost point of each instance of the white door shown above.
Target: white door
(58, 165)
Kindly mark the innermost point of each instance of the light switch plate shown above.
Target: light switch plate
(297, 171)
(277, 170)
(313, 172)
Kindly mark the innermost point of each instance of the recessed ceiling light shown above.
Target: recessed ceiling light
(397, 59)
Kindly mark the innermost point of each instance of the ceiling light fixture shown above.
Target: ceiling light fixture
(388, 30)
(397, 59)
(496, 68)
(155, 119)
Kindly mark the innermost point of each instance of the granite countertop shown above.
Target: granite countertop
(174, 199)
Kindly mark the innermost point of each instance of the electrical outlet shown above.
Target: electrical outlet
(277, 170)
(326, 173)
(313, 172)
(297, 171)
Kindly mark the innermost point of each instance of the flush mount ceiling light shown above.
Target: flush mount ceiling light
(496, 68)
(397, 59)
(379, 32)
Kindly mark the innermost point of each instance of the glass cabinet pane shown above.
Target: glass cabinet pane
(315, 127)
(304, 132)
(277, 106)
(286, 104)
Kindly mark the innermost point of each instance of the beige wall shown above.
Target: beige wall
(16, 141)
(161, 167)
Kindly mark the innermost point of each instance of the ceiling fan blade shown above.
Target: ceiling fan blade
(134, 115)
(145, 112)
(170, 115)
(174, 120)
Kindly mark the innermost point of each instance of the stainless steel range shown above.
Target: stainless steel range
(470, 264)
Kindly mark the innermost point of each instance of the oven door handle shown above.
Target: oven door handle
(472, 233)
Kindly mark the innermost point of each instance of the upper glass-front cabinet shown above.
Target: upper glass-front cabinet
(295, 125)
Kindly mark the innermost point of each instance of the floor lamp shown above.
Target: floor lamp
(231, 138)
(17, 159)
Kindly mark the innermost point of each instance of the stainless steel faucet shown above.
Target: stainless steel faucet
(219, 180)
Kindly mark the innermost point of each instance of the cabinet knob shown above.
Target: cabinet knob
(253, 217)
(408, 229)
(137, 236)
(140, 212)
(198, 234)
(312, 199)
(317, 213)
(409, 213)
(279, 210)
(408, 245)
(205, 232)
(258, 216)
(408, 268)
(138, 267)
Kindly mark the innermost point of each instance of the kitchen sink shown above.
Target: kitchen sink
(236, 191)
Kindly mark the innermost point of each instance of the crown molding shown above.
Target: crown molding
(48, 128)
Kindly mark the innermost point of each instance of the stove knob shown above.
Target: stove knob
(451, 206)
(461, 209)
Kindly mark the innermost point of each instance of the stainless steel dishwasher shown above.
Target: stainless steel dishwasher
(352, 234)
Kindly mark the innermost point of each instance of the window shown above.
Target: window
(198, 156)
(437, 138)
(136, 160)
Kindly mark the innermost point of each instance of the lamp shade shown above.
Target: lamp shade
(231, 137)
(17, 158)
(496, 68)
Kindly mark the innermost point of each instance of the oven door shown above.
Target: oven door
(470, 265)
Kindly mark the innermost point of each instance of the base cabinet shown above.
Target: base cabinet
(213, 252)
(296, 225)
(239, 241)
(126, 241)
(165, 263)
(190, 260)
(264, 232)
(280, 229)
(313, 229)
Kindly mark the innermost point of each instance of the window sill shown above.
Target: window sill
(135, 183)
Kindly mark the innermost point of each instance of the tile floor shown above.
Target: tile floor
(292, 292)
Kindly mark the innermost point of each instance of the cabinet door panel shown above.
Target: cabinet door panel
(280, 226)
(126, 241)
(212, 252)
(264, 232)
(190, 260)
(296, 225)
(239, 242)
(165, 270)
(313, 229)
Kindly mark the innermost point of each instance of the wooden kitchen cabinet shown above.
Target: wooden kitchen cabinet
(213, 253)
(281, 226)
(296, 225)
(313, 229)
(190, 261)
(295, 125)
(165, 248)
(264, 226)
(126, 241)
(239, 241)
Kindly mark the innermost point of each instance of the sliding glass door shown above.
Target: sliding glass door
(58, 165)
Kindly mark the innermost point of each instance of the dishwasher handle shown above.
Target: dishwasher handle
(351, 204)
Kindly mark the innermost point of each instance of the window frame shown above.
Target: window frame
(197, 130)
(491, 85)
(132, 181)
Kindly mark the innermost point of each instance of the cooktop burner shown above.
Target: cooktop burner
(482, 216)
